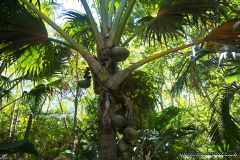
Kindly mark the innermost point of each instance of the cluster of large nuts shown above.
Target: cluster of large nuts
(86, 82)
(130, 135)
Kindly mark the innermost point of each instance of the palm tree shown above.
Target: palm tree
(24, 42)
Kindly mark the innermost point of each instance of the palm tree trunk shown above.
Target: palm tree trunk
(107, 137)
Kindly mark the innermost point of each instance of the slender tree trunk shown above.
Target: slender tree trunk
(64, 120)
(75, 116)
(29, 125)
(161, 97)
(16, 119)
(107, 137)
(11, 124)
(12, 121)
(76, 102)
(27, 132)
(1, 110)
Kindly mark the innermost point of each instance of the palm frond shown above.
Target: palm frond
(78, 26)
(46, 64)
(228, 33)
(224, 130)
(188, 74)
(193, 70)
(7, 85)
(173, 14)
(36, 97)
(24, 42)
(74, 16)
(162, 28)
(20, 29)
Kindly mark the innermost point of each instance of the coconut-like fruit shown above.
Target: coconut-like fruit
(130, 135)
(119, 54)
(123, 146)
(118, 122)
(84, 83)
(121, 112)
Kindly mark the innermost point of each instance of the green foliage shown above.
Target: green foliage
(21, 29)
(167, 142)
(172, 15)
(36, 97)
(78, 26)
(166, 117)
(19, 146)
(232, 77)
(188, 73)
(140, 90)
(24, 40)
(225, 131)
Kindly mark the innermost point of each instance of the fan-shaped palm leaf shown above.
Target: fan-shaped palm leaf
(79, 27)
(45, 64)
(24, 40)
(224, 130)
(173, 14)
(7, 85)
(20, 29)
(36, 97)
(228, 33)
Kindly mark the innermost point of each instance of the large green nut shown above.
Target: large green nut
(120, 112)
(118, 122)
(123, 146)
(119, 54)
(84, 83)
(130, 135)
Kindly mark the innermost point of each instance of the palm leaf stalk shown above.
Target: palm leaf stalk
(120, 76)
(97, 35)
(117, 19)
(111, 13)
(104, 20)
(123, 22)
